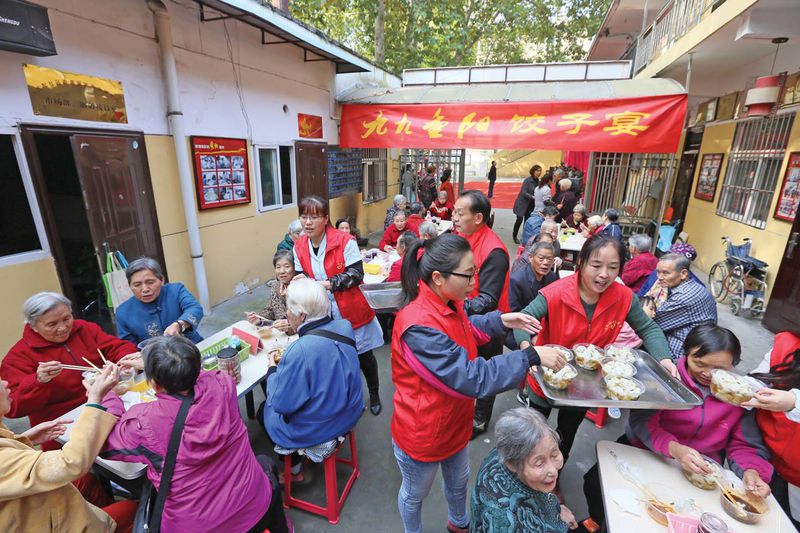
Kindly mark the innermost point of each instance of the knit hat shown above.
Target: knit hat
(684, 249)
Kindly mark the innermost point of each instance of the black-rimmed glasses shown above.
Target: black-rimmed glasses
(460, 274)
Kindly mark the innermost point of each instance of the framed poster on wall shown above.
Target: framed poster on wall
(222, 175)
(789, 198)
(709, 176)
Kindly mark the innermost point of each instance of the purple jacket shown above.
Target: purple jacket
(218, 485)
(716, 429)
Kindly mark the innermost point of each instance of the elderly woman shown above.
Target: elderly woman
(295, 230)
(36, 486)
(442, 207)
(314, 395)
(389, 240)
(565, 199)
(157, 308)
(576, 218)
(275, 310)
(215, 456)
(40, 388)
(515, 488)
(642, 262)
(332, 258)
(594, 225)
(427, 230)
(398, 204)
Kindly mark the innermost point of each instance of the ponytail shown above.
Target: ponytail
(423, 258)
(785, 375)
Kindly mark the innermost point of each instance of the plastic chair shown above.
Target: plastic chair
(334, 501)
(599, 418)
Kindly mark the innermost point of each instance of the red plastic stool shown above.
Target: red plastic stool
(334, 501)
(599, 418)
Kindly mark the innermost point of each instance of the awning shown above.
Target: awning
(286, 29)
(616, 116)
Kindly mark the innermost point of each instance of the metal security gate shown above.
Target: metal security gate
(420, 159)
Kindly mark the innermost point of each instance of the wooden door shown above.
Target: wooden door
(118, 195)
(783, 311)
(311, 169)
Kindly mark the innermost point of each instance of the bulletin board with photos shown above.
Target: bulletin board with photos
(789, 198)
(221, 171)
(708, 177)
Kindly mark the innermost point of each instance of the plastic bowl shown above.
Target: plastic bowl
(705, 482)
(585, 360)
(612, 367)
(748, 511)
(733, 388)
(558, 383)
(657, 510)
(621, 353)
(615, 395)
(565, 351)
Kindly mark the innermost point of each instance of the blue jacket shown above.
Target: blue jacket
(531, 227)
(613, 230)
(137, 321)
(315, 394)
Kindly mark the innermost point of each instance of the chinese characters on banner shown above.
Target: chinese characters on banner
(221, 171)
(647, 124)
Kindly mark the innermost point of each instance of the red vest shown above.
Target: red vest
(413, 222)
(352, 304)
(483, 242)
(566, 323)
(429, 424)
(781, 435)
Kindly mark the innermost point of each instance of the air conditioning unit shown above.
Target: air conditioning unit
(25, 28)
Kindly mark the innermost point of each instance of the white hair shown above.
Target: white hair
(429, 229)
(42, 302)
(295, 227)
(640, 241)
(564, 184)
(307, 297)
(517, 433)
(399, 199)
(549, 223)
(595, 220)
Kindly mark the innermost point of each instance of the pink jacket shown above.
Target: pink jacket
(635, 271)
(218, 485)
(716, 429)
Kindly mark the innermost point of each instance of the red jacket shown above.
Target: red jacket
(447, 187)
(395, 271)
(781, 435)
(429, 424)
(442, 211)
(392, 234)
(351, 302)
(637, 269)
(566, 323)
(483, 242)
(413, 222)
(47, 401)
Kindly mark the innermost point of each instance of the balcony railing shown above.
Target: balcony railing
(673, 22)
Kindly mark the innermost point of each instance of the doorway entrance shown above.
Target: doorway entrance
(95, 195)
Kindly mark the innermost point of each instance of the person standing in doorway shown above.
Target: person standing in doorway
(523, 205)
(492, 178)
(408, 181)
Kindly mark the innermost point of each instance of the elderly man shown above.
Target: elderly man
(688, 303)
(534, 223)
(428, 230)
(398, 204)
(470, 215)
(641, 264)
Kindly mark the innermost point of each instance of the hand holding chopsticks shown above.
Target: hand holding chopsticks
(81, 368)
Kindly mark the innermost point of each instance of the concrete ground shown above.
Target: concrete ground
(372, 505)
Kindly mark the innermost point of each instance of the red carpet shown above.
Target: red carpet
(504, 192)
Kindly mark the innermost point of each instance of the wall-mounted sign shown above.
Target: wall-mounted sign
(221, 171)
(309, 126)
(726, 109)
(709, 176)
(57, 93)
(789, 198)
(791, 90)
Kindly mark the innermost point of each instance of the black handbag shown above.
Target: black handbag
(151, 502)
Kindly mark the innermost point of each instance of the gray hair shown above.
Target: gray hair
(429, 229)
(307, 297)
(640, 241)
(144, 263)
(295, 227)
(536, 247)
(548, 223)
(517, 433)
(398, 213)
(559, 172)
(680, 261)
(564, 184)
(42, 302)
(595, 220)
(579, 208)
(399, 199)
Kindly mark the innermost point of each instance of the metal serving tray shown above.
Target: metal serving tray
(588, 389)
(383, 297)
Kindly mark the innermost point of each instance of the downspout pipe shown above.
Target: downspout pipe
(178, 131)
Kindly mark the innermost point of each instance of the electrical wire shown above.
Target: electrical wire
(237, 80)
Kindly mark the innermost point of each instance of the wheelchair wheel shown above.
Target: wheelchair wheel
(735, 288)
(716, 280)
(736, 307)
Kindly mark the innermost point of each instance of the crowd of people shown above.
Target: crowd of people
(473, 323)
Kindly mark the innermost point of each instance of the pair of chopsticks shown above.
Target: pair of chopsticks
(91, 367)
(81, 368)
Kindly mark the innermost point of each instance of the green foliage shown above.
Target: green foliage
(436, 33)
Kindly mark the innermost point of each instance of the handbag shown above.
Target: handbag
(115, 281)
(151, 502)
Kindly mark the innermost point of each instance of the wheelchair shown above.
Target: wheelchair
(740, 278)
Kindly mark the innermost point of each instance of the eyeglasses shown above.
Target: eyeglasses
(310, 218)
(460, 274)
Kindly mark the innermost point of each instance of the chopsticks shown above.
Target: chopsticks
(82, 368)
(91, 364)
(105, 361)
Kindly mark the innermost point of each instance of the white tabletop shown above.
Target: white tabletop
(444, 225)
(254, 369)
(573, 243)
(668, 474)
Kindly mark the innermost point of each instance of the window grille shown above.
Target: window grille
(374, 162)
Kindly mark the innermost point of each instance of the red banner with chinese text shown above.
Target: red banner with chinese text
(647, 124)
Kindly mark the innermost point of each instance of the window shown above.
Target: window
(374, 165)
(275, 183)
(754, 164)
(19, 233)
(344, 171)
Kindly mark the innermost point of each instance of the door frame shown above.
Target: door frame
(32, 157)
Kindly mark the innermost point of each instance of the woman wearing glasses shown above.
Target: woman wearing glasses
(331, 257)
(438, 375)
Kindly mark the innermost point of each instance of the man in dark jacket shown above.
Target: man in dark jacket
(492, 178)
(523, 205)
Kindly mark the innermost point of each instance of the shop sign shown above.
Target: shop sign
(644, 124)
(791, 90)
(789, 198)
(309, 126)
(57, 93)
(221, 171)
(726, 108)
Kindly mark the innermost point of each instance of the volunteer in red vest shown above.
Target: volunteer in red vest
(589, 307)
(470, 215)
(437, 374)
(331, 257)
(779, 419)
